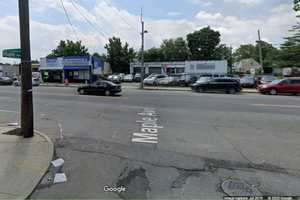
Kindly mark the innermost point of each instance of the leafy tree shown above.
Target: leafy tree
(290, 49)
(297, 5)
(224, 52)
(244, 52)
(174, 50)
(203, 44)
(102, 56)
(119, 56)
(269, 53)
(69, 48)
(153, 55)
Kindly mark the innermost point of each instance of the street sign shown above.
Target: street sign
(11, 53)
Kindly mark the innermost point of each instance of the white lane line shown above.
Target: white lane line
(9, 111)
(276, 106)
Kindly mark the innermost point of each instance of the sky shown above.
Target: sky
(94, 21)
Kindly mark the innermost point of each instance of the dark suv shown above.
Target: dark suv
(228, 85)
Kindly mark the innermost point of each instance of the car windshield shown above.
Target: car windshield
(203, 79)
(268, 78)
(150, 99)
(276, 81)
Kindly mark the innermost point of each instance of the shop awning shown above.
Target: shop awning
(76, 67)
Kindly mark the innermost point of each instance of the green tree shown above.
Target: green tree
(102, 56)
(203, 44)
(69, 48)
(153, 55)
(290, 49)
(119, 56)
(174, 50)
(297, 5)
(224, 52)
(269, 53)
(244, 52)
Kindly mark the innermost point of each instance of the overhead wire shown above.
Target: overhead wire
(69, 20)
(118, 11)
(89, 21)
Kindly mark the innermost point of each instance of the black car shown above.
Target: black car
(6, 81)
(228, 85)
(100, 87)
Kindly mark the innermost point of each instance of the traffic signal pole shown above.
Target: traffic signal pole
(26, 82)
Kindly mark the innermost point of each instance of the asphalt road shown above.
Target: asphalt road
(196, 142)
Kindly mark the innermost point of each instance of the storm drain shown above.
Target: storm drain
(238, 188)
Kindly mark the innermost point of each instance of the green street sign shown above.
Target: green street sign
(11, 53)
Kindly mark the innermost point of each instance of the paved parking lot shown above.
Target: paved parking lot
(166, 144)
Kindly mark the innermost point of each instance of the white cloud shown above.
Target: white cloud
(236, 31)
(247, 2)
(208, 3)
(120, 23)
(174, 14)
(203, 15)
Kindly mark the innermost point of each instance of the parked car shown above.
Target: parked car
(128, 78)
(137, 77)
(227, 85)
(203, 79)
(288, 85)
(100, 87)
(35, 82)
(266, 79)
(122, 75)
(187, 79)
(154, 79)
(114, 78)
(247, 81)
(168, 80)
(6, 80)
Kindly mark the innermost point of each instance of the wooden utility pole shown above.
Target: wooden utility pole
(26, 100)
(142, 51)
(260, 50)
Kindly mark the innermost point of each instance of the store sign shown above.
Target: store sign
(82, 61)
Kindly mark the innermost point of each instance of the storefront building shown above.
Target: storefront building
(174, 68)
(74, 69)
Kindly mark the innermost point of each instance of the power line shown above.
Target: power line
(69, 20)
(118, 13)
(88, 21)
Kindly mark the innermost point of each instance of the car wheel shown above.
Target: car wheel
(232, 91)
(273, 92)
(107, 93)
(81, 92)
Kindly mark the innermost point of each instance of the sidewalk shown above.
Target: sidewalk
(23, 163)
(59, 85)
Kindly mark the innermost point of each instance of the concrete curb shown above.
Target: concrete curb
(51, 157)
(189, 90)
(63, 86)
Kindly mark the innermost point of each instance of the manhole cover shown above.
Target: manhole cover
(239, 188)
